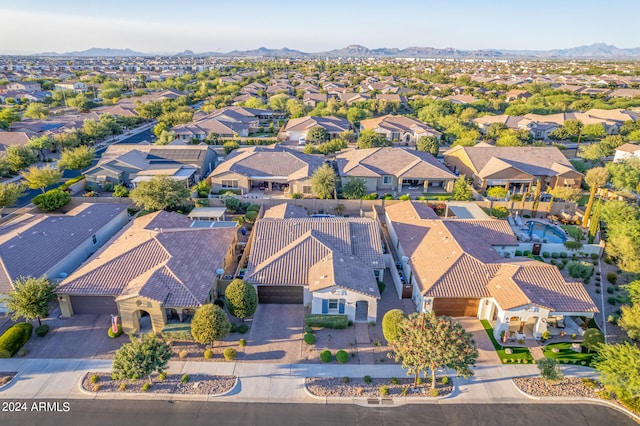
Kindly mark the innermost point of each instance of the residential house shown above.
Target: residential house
(464, 268)
(129, 164)
(157, 270)
(54, 245)
(76, 86)
(517, 94)
(398, 128)
(298, 127)
(266, 168)
(25, 86)
(517, 169)
(330, 264)
(313, 99)
(395, 169)
(13, 138)
(353, 98)
(392, 97)
(228, 122)
(623, 152)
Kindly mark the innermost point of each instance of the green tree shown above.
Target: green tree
(9, 115)
(630, 320)
(120, 191)
(257, 103)
(550, 370)
(29, 298)
(494, 131)
(10, 193)
(36, 110)
(76, 158)
(392, 324)
(52, 200)
(81, 102)
(497, 192)
(354, 189)
(595, 178)
(41, 178)
(625, 174)
(242, 299)
(278, 102)
(618, 366)
(210, 323)
(159, 128)
(141, 357)
(40, 144)
(159, 193)
(19, 157)
(166, 137)
(317, 135)
(230, 146)
(295, 108)
(94, 130)
(428, 144)
(564, 193)
(371, 139)
(323, 182)
(428, 343)
(593, 338)
(593, 131)
(461, 190)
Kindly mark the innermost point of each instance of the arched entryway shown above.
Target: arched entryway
(142, 322)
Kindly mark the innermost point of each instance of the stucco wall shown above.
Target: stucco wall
(130, 312)
(350, 298)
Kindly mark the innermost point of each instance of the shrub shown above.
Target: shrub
(146, 387)
(94, 379)
(309, 338)
(52, 200)
(162, 376)
(23, 352)
(574, 336)
(219, 302)
(394, 381)
(573, 245)
(42, 330)
(367, 379)
(579, 269)
(253, 208)
(14, 338)
(563, 255)
(234, 328)
(594, 256)
(345, 379)
(325, 356)
(296, 196)
(546, 335)
(404, 391)
(208, 354)
(612, 277)
(96, 388)
(243, 328)
(122, 387)
(327, 321)
(545, 254)
(518, 253)
(384, 390)
(419, 381)
(251, 216)
(612, 300)
(120, 191)
(308, 329)
(434, 392)
(508, 351)
(381, 286)
(185, 379)
(183, 354)
(560, 266)
(611, 290)
(445, 380)
(527, 252)
(242, 343)
(342, 357)
(113, 335)
(555, 255)
(391, 324)
(230, 354)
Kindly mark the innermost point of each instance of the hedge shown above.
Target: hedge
(327, 321)
(14, 338)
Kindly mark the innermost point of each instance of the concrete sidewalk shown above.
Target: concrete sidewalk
(259, 382)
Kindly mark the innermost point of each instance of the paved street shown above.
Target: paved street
(200, 413)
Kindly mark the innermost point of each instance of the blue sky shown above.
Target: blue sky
(172, 26)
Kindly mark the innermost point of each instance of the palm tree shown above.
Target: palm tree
(595, 178)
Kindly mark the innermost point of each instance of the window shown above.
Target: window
(95, 239)
(333, 304)
(306, 189)
(229, 183)
(387, 180)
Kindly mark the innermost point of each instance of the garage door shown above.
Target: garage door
(456, 307)
(96, 305)
(285, 294)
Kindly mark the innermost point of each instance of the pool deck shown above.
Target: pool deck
(523, 231)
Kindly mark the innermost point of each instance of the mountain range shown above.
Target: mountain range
(594, 51)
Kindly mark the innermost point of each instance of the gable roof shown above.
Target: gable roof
(158, 257)
(329, 123)
(454, 258)
(284, 211)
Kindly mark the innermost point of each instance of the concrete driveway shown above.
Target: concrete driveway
(81, 336)
(276, 334)
(486, 352)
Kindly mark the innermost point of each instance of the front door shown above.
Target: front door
(406, 291)
(536, 249)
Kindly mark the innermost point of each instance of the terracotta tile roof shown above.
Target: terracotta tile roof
(456, 258)
(338, 269)
(170, 263)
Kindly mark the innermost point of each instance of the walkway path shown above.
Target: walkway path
(363, 342)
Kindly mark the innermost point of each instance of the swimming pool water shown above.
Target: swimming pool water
(546, 232)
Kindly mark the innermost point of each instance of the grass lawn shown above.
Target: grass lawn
(567, 356)
(519, 355)
(583, 200)
(574, 232)
(538, 258)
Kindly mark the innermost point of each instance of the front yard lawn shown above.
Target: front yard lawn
(519, 355)
(567, 356)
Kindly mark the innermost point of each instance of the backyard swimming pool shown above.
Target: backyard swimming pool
(547, 233)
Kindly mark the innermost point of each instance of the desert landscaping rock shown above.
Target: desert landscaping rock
(568, 387)
(335, 387)
(199, 384)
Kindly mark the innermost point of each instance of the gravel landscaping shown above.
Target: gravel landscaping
(198, 384)
(568, 387)
(357, 387)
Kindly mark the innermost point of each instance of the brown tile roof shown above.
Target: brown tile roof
(284, 211)
(628, 147)
(172, 264)
(338, 269)
(456, 258)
